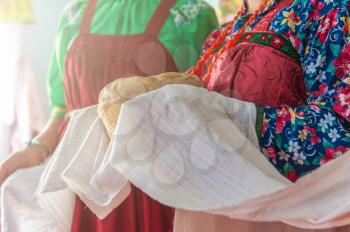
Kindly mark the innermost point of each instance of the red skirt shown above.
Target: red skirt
(138, 213)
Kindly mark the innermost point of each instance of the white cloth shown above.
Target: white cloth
(176, 144)
(20, 210)
(79, 172)
(43, 198)
(38, 199)
(52, 187)
(72, 166)
(188, 149)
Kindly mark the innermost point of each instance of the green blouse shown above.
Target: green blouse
(188, 24)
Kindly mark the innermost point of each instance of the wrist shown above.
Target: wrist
(36, 144)
(46, 140)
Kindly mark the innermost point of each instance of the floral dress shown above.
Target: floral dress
(298, 139)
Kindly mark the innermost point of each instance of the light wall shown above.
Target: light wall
(38, 38)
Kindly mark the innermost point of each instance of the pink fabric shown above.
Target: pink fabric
(186, 221)
(315, 191)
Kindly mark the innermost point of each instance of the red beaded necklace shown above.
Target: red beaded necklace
(197, 70)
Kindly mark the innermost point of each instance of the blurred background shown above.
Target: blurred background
(27, 33)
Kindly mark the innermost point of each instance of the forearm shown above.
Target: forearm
(32, 155)
(49, 135)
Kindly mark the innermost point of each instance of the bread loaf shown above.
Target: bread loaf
(116, 93)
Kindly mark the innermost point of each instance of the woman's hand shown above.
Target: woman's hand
(29, 157)
(32, 156)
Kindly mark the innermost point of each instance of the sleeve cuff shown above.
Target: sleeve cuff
(58, 112)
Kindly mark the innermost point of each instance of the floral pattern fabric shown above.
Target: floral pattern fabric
(188, 12)
(297, 140)
(272, 40)
(300, 139)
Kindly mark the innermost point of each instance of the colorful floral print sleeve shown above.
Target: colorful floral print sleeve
(297, 140)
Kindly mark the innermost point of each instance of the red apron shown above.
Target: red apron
(92, 62)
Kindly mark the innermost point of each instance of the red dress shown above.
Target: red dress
(92, 62)
(263, 68)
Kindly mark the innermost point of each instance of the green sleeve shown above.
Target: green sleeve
(188, 25)
(67, 32)
(55, 83)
